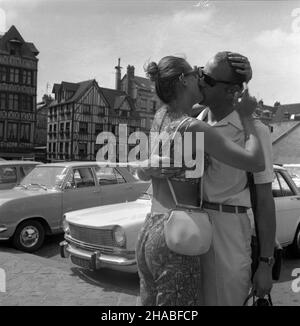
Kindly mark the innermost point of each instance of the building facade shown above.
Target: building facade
(142, 91)
(18, 90)
(79, 112)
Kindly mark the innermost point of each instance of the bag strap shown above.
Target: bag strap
(169, 181)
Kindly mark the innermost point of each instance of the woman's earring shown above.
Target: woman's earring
(181, 78)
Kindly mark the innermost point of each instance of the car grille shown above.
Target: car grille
(98, 237)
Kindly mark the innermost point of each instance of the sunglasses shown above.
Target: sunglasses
(210, 80)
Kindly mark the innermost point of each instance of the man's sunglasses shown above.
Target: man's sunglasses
(210, 80)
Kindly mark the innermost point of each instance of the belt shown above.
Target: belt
(225, 208)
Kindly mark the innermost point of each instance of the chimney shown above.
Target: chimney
(118, 75)
(130, 78)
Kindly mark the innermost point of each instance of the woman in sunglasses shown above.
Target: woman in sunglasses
(168, 278)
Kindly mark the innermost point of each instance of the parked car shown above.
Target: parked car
(106, 236)
(13, 172)
(294, 171)
(36, 207)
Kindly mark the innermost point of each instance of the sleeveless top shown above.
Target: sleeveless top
(166, 128)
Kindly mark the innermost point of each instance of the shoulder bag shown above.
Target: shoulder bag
(188, 230)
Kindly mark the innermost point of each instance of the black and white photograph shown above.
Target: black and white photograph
(149, 155)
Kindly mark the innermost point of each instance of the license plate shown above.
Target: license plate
(80, 262)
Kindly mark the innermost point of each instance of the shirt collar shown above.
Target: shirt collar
(232, 118)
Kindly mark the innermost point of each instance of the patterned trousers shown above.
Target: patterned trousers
(166, 278)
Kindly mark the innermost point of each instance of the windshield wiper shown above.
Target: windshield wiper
(39, 185)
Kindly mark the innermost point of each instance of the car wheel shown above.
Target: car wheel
(29, 236)
(295, 246)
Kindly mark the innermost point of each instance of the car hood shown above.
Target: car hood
(17, 193)
(118, 214)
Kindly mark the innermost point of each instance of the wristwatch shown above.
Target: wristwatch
(269, 260)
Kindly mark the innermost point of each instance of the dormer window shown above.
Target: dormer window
(15, 46)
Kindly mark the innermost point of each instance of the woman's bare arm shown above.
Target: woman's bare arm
(250, 159)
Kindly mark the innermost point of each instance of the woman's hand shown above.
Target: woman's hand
(242, 65)
(245, 104)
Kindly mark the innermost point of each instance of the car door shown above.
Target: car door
(287, 203)
(114, 188)
(81, 190)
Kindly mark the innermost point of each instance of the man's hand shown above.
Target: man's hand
(262, 280)
(242, 65)
(245, 104)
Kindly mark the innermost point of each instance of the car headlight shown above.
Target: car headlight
(119, 236)
(65, 225)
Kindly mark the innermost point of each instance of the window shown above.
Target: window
(49, 147)
(25, 132)
(61, 147)
(82, 150)
(13, 101)
(1, 130)
(143, 104)
(14, 75)
(8, 175)
(3, 74)
(27, 77)
(280, 187)
(12, 131)
(98, 128)
(106, 176)
(83, 127)
(82, 178)
(67, 148)
(86, 109)
(143, 123)
(3, 102)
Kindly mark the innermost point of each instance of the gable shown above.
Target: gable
(12, 38)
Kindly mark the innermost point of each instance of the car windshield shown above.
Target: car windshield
(45, 176)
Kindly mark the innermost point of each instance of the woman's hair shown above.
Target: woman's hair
(166, 74)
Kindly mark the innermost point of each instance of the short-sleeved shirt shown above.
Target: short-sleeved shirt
(228, 185)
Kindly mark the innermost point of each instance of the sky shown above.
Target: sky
(83, 39)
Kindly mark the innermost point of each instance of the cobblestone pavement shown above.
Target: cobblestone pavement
(33, 280)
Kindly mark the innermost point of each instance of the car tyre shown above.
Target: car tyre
(29, 236)
(295, 246)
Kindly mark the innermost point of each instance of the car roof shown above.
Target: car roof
(16, 162)
(291, 165)
(83, 163)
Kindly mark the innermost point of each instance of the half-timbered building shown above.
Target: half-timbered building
(79, 113)
(18, 88)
